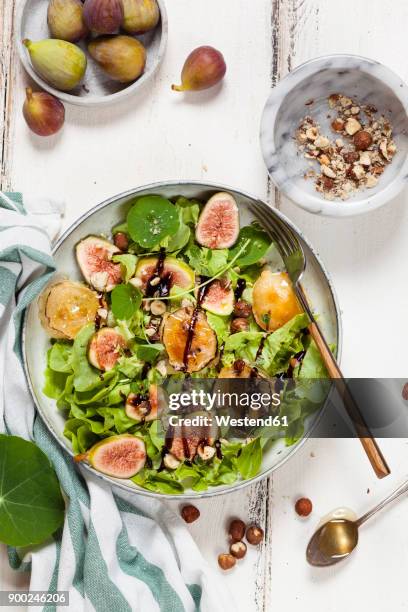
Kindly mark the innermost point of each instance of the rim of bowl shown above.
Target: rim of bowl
(314, 203)
(214, 491)
(96, 100)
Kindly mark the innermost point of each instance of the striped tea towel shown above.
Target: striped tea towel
(117, 552)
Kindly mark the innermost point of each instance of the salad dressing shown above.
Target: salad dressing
(240, 288)
(190, 332)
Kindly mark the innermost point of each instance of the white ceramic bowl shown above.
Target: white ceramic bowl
(100, 220)
(97, 89)
(357, 77)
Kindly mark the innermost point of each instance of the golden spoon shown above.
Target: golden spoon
(337, 538)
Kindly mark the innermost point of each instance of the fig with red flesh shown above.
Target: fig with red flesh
(204, 68)
(185, 441)
(103, 16)
(118, 456)
(178, 338)
(176, 271)
(105, 349)
(218, 225)
(142, 408)
(94, 256)
(65, 307)
(44, 114)
(219, 298)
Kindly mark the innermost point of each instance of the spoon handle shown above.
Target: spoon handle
(395, 495)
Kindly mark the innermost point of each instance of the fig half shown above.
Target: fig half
(178, 272)
(219, 298)
(176, 335)
(118, 456)
(65, 307)
(94, 257)
(142, 408)
(218, 225)
(105, 349)
(274, 301)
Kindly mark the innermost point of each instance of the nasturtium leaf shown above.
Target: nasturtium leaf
(151, 219)
(126, 300)
(31, 505)
(256, 248)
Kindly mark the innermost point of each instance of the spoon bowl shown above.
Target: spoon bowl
(332, 542)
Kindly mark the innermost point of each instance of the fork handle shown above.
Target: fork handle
(370, 445)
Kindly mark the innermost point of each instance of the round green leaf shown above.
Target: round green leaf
(151, 219)
(126, 300)
(255, 250)
(31, 504)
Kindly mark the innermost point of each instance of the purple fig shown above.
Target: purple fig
(203, 68)
(66, 20)
(140, 16)
(103, 16)
(123, 58)
(218, 225)
(44, 114)
(118, 456)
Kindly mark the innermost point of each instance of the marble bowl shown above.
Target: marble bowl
(357, 77)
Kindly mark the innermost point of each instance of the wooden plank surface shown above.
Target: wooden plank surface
(214, 136)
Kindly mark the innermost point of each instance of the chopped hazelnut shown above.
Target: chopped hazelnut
(238, 549)
(371, 181)
(237, 530)
(352, 126)
(158, 307)
(303, 506)
(121, 241)
(328, 172)
(338, 125)
(324, 160)
(333, 99)
(226, 561)
(171, 463)
(327, 183)
(136, 282)
(254, 535)
(362, 140)
(312, 133)
(322, 142)
(206, 452)
(351, 157)
(365, 159)
(239, 325)
(242, 309)
(358, 171)
(190, 513)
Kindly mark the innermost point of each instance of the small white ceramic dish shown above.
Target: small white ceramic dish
(97, 89)
(357, 77)
(100, 220)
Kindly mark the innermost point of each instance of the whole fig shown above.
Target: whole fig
(65, 20)
(123, 58)
(204, 67)
(60, 63)
(44, 114)
(103, 16)
(140, 16)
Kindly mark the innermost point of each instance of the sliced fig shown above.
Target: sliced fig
(185, 441)
(105, 348)
(94, 256)
(218, 225)
(65, 307)
(118, 456)
(142, 407)
(219, 298)
(274, 301)
(178, 272)
(176, 336)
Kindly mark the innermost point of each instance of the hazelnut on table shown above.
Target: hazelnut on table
(303, 506)
(226, 561)
(254, 535)
(236, 530)
(190, 513)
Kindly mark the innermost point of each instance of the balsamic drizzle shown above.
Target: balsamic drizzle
(240, 288)
(191, 327)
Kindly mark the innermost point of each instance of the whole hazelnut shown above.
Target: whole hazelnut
(242, 309)
(236, 530)
(303, 506)
(190, 513)
(238, 550)
(254, 535)
(121, 241)
(362, 140)
(226, 561)
(239, 366)
(239, 325)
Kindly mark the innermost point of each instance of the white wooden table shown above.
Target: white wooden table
(214, 136)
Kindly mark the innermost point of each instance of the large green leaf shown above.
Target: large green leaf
(31, 504)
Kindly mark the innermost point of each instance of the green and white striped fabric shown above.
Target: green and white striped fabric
(116, 552)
